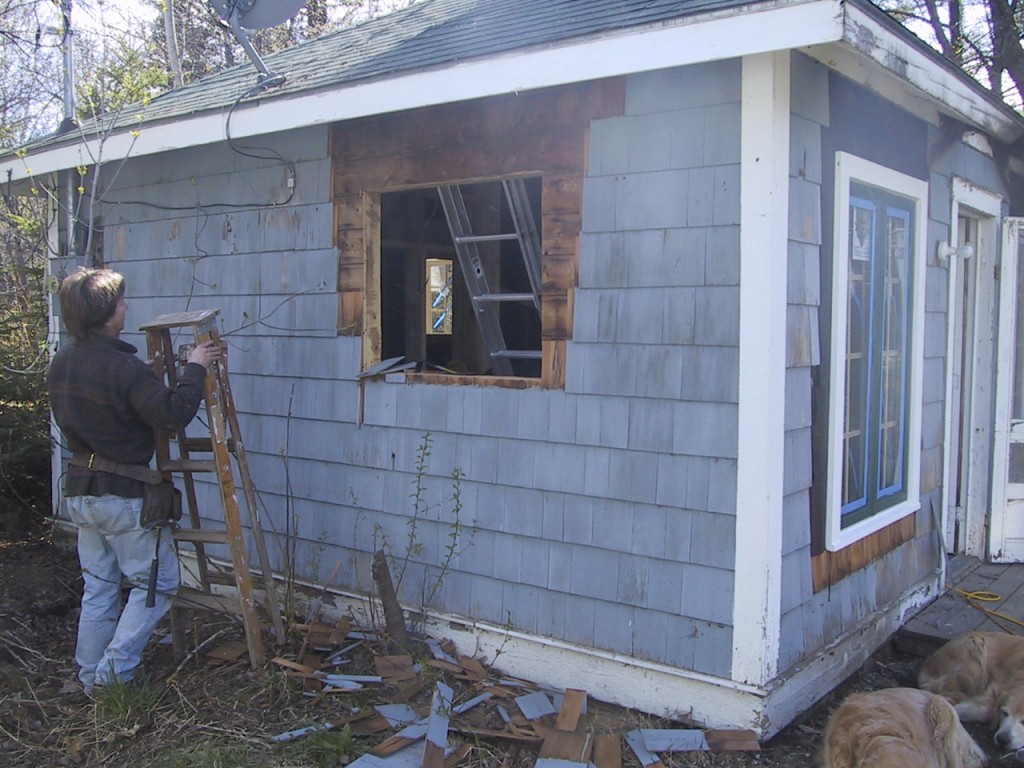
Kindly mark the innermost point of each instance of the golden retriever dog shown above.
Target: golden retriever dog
(982, 674)
(898, 728)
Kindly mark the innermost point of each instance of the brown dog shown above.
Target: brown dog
(898, 728)
(982, 674)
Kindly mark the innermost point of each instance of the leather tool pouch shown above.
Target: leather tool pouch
(161, 504)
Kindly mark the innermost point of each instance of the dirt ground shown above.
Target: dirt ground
(205, 714)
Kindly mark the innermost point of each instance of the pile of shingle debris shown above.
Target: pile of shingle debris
(463, 704)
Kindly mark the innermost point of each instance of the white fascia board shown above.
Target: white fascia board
(709, 37)
(866, 40)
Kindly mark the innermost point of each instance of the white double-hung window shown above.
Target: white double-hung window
(877, 344)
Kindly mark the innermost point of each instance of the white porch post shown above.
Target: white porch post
(764, 216)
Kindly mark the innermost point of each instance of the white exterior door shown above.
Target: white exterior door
(1006, 535)
(970, 368)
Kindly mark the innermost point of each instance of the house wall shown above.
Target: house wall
(601, 513)
(830, 113)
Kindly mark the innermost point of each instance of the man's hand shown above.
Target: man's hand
(206, 353)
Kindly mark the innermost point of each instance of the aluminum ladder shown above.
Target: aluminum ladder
(235, 594)
(486, 304)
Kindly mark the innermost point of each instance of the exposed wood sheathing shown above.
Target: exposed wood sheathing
(543, 132)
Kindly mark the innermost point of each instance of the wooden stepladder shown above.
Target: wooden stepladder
(236, 595)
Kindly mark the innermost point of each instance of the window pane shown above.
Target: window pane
(894, 357)
(877, 353)
(439, 296)
(858, 352)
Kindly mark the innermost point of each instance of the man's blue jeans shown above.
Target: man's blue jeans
(112, 543)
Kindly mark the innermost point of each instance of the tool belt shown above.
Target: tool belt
(161, 501)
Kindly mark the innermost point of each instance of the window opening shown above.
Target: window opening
(430, 312)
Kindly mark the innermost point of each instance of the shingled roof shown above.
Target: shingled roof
(435, 35)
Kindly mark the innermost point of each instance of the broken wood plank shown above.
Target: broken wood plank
(720, 740)
(473, 667)
(555, 762)
(437, 727)
(408, 735)
(573, 745)
(397, 714)
(674, 739)
(573, 703)
(459, 754)
(608, 751)
(646, 757)
(395, 668)
(487, 733)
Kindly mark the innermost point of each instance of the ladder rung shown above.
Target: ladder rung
(201, 536)
(188, 465)
(203, 444)
(487, 238)
(519, 354)
(496, 297)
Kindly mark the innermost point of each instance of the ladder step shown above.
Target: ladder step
(497, 297)
(487, 238)
(201, 536)
(188, 465)
(203, 444)
(519, 354)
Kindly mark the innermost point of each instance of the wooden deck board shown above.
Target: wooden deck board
(953, 614)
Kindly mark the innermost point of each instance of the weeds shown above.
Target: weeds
(413, 546)
(125, 707)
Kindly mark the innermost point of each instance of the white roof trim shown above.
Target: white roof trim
(709, 37)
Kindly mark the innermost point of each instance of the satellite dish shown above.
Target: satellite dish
(241, 15)
(258, 14)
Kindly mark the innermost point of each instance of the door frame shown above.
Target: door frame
(1005, 429)
(969, 405)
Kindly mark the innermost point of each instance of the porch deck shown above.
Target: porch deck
(980, 596)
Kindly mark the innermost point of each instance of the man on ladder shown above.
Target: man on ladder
(107, 402)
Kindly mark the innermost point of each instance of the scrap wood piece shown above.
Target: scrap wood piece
(557, 762)
(437, 727)
(608, 751)
(488, 733)
(293, 665)
(535, 705)
(575, 746)
(573, 703)
(674, 739)
(394, 619)
(723, 740)
(447, 666)
(473, 667)
(457, 755)
(226, 652)
(339, 722)
(408, 735)
(439, 652)
(340, 630)
(647, 759)
(369, 726)
(395, 668)
(397, 714)
(408, 758)
(407, 691)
